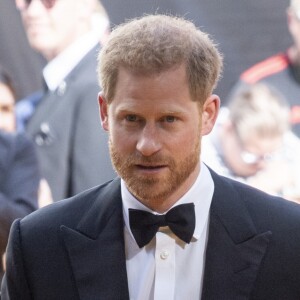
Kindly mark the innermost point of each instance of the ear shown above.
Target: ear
(210, 112)
(103, 106)
(289, 17)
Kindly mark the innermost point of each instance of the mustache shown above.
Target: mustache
(138, 159)
(156, 159)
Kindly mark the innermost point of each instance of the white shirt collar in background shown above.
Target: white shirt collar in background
(59, 67)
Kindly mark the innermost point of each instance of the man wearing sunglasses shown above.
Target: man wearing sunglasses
(63, 119)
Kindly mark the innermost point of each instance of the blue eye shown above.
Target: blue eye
(131, 118)
(170, 119)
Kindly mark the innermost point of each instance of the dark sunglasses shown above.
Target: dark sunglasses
(23, 4)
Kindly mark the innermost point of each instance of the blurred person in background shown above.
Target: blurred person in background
(19, 172)
(63, 120)
(282, 70)
(7, 102)
(8, 124)
(19, 182)
(252, 142)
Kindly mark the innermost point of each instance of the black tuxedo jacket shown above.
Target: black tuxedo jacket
(19, 182)
(74, 249)
(71, 144)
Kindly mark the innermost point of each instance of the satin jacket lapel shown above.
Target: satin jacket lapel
(96, 248)
(235, 249)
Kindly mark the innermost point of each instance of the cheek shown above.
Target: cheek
(185, 142)
(120, 139)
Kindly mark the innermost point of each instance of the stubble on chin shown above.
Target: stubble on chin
(151, 191)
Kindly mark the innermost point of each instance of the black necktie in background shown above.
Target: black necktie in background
(180, 219)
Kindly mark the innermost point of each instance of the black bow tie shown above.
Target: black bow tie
(180, 219)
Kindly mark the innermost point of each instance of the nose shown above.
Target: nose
(148, 142)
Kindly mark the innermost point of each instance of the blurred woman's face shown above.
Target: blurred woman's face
(7, 109)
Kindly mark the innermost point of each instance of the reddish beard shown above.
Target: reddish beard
(154, 188)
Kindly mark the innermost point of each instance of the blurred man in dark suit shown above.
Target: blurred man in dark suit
(19, 182)
(63, 119)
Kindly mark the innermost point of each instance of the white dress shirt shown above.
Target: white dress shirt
(168, 268)
(58, 68)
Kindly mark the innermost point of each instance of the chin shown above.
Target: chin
(39, 43)
(249, 174)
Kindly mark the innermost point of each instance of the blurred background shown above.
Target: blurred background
(246, 31)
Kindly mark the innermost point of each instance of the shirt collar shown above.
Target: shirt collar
(59, 67)
(200, 194)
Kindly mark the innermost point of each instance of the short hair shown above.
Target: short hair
(156, 43)
(259, 109)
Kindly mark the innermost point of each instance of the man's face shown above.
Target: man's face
(7, 105)
(155, 131)
(51, 30)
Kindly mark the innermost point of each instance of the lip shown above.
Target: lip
(150, 168)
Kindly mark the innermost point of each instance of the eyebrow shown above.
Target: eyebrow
(132, 109)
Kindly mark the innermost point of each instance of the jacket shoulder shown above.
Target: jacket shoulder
(265, 209)
(265, 68)
(68, 211)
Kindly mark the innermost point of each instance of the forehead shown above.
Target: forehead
(162, 84)
(168, 89)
